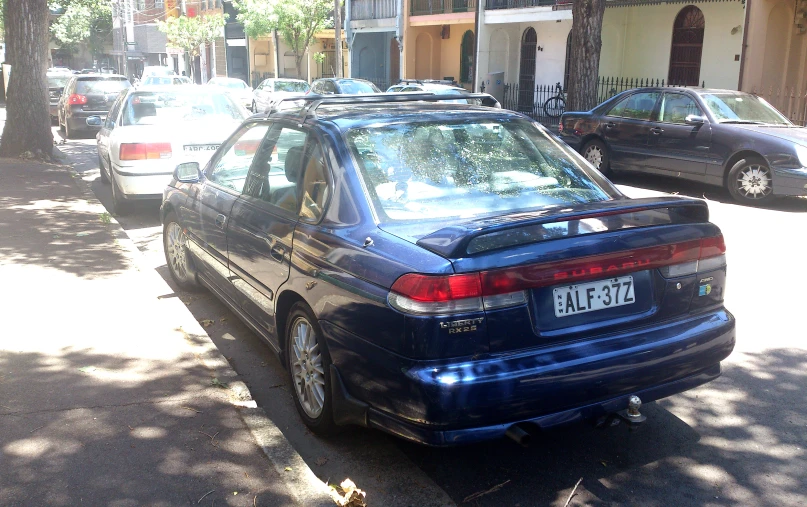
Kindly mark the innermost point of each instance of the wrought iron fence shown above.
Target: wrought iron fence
(790, 101)
(547, 102)
(373, 9)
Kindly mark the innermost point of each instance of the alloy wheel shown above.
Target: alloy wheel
(176, 249)
(308, 373)
(754, 182)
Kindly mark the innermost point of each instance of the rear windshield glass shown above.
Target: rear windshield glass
(85, 86)
(150, 108)
(291, 86)
(357, 87)
(439, 170)
(57, 81)
(155, 80)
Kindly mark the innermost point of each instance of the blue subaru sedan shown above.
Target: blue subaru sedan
(448, 273)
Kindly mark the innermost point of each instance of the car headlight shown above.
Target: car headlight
(801, 152)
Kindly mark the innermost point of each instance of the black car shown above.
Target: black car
(87, 95)
(344, 86)
(56, 83)
(719, 137)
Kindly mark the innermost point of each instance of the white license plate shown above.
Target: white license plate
(201, 147)
(590, 297)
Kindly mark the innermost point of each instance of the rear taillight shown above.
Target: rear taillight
(145, 151)
(77, 99)
(501, 288)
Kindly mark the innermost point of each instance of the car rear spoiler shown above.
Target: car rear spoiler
(454, 241)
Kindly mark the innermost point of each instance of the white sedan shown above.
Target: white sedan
(240, 90)
(150, 130)
(272, 90)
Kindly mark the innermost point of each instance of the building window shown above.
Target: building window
(159, 4)
(526, 72)
(687, 47)
(467, 57)
(141, 5)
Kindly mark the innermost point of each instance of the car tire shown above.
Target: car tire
(104, 176)
(309, 365)
(119, 205)
(598, 155)
(175, 247)
(750, 181)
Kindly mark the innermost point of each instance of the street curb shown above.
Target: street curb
(302, 484)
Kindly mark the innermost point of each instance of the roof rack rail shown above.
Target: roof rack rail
(314, 101)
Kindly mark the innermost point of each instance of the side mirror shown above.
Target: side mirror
(95, 121)
(694, 119)
(188, 172)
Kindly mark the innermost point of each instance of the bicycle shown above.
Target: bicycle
(555, 106)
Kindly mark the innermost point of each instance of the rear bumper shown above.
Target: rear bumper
(147, 182)
(78, 120)
(792, 182)
(466, 400)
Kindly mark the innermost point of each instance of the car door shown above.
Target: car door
(676, 147)
(626, 128)
(211, 201)
(105, 134)
(263, 221)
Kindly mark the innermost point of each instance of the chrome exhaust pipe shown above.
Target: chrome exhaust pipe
(518, 435)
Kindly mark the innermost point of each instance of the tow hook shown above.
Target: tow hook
(631, 415)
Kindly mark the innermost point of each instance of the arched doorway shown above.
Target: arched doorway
(467, 57)
(394, 62)
(526, 71)
(687, 47)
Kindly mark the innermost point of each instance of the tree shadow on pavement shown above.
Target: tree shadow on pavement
(701, 190)
(106, 430)
(739, 440)
(44, 220)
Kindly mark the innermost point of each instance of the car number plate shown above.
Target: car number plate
(594, 296)
(201, 147)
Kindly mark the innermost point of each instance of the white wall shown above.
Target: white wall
(637, 41)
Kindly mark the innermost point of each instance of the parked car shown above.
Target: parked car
(719, 137)
(150, 130)
(56, 83)
(165, 80)
(87, 95)
(240, 90)
(441, 87)
(271, 90)
(446, 272)
(345, 86)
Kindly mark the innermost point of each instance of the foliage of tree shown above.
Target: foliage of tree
(27, 127)
(295, 20)
(87, 21)
(585, 61)
(189, 33)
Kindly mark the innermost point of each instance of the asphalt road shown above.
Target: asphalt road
(737, 441)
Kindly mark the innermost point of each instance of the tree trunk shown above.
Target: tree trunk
(27, 125)
(337, 34)
(298, 60)
(585, 62)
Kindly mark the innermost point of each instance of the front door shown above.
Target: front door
(212, 201)
(262, 223)
(626, 128)
(677, 148)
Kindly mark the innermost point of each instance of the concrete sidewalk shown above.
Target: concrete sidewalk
(110, 392)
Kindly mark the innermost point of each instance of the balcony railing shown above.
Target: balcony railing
(373, 9)
(426, 7)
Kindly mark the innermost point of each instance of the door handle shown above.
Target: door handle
(610, 125)
(277, 252)
(656, 131)
(221, 220)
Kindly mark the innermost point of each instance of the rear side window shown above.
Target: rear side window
(103, 86)
(638, 106)
(466, 169)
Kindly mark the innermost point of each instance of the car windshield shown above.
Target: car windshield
(151, 108)
(357, 87)
(440, 170)
(57, 81)
(291, 86)
(234, 84)
(105, 86)
(742, 108)
(155, 80)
